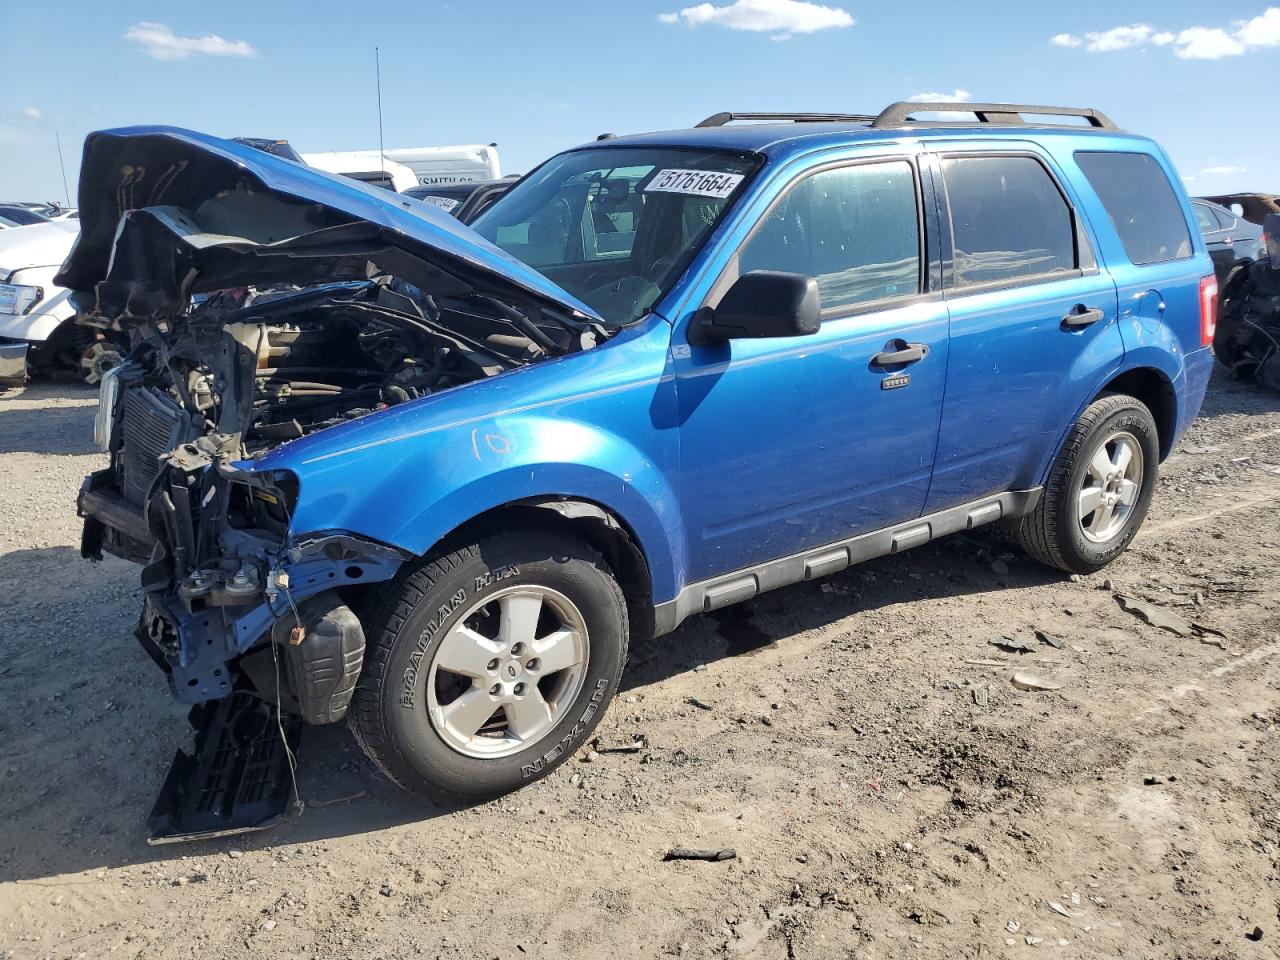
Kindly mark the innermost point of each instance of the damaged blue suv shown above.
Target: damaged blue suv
(433, 479)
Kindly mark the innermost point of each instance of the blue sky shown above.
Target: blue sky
(536, 76)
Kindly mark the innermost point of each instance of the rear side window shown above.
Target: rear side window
(1205, 218)
(856, 230)
(1008, 220)
(1141, 204)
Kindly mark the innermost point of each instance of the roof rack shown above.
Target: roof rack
(720, 119)
(1001, 114)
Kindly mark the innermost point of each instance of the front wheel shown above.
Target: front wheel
(1099, 489)
(489, 665)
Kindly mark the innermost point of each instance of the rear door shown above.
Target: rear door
(1033, 320)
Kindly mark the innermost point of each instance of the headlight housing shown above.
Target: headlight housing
(17, 299)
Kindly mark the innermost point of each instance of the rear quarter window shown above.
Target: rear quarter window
(1141, 203)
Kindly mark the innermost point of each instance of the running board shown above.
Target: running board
(729, 588)
(237, 779)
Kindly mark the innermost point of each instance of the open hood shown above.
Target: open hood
(166, 213)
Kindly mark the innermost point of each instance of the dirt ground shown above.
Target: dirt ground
(858, 742)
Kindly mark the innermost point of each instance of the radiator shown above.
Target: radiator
(151, 425)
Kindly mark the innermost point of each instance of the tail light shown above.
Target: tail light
(1208, 309)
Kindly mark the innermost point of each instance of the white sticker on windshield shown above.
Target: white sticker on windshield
(698, 183)
(444, 203)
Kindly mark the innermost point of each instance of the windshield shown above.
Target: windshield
(616, 226)
(21, 215)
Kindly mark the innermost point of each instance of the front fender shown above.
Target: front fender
(593, 426)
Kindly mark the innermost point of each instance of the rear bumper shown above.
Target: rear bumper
(13, 362)
(1197, 368)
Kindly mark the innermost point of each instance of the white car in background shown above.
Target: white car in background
(36, 316)
(406, 167)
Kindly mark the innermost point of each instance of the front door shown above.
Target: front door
(791, 443)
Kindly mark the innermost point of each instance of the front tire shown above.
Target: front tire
(1099, 489)
(489, 665)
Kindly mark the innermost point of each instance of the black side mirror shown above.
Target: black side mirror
(764, 303)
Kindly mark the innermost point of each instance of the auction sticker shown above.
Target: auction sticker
(444, 203)
(698, 183)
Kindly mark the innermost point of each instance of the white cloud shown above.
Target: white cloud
(1262, 31)
(158, 41)
(781, 18)
(1207, 43)
(1190, 43)
(959, 95)
(31, 113)
(1119, 38)
(1223, 171)
(1188, 179)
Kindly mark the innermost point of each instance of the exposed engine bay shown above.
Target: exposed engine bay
(249, 371)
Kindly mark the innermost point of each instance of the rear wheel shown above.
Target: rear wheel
(489, 665)
(1099, 489)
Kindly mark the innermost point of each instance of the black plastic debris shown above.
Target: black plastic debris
(236, 780)
(686, 853)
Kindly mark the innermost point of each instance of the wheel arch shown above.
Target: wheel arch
(602, 528)
(1153, 388)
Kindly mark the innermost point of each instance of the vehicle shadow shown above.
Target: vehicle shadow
(29, 423)
(955, 566)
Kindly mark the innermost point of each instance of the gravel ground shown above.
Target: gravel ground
(858, 741)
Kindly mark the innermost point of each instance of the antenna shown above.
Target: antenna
(67, 193)
(377, 61)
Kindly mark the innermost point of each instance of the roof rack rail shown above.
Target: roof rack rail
(720, 119)
(1001, 114)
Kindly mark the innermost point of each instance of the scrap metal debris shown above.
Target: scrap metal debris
(1159, 617)
(1029, 681)
(1013, 645)
(981, 695)
(635, 746)
(687, 853)
(1050, 639)
(1156, 616)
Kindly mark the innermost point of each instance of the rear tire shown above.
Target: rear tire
(489, 665)
(1099, 488)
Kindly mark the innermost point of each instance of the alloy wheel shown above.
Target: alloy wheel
(506, 672)
(1110, 488)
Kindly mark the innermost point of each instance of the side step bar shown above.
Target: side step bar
(708, 595)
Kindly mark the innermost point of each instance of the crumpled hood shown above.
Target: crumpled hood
(36, 245)
(166, 213)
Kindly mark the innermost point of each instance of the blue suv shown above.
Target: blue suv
(434, 478)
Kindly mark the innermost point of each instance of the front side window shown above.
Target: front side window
(616, 226)
(1141, 203)
(1008, 220)
(855, 229)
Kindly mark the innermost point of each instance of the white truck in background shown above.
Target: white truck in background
(406, 167)
(36, 328)
(365, 166)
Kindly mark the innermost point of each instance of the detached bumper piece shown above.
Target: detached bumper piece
(13, 363)
(237, 780)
